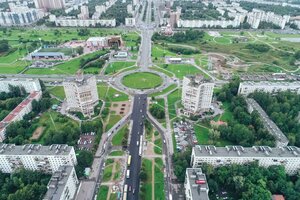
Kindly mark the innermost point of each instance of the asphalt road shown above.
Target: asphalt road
(138, 115)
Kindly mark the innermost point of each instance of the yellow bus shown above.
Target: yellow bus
(129, 160)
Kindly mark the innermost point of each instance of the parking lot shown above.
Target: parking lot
(184, 135)
(86, 141)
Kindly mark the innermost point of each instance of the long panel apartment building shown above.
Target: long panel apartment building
(30, 85)
(249, 87)
(35, 157)
(197, 93)
(288, 156)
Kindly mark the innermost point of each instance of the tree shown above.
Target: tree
(84, 159)
(4, 47)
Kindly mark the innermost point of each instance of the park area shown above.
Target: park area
(142, 80)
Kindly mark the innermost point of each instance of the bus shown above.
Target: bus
(128, 173)
(125, 192)
(129, 160)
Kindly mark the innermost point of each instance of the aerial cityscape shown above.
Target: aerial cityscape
(150, 99)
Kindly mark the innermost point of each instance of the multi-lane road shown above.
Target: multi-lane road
(138, 115)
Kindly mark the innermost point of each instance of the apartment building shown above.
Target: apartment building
(47, 159)
(195, 185)
(197, 93)
(281, 139)
(210, 23)
(30, 85)
(18, 113)
(265, 156)
(130, 22)
(84, 14)
(81, 94)
(49, 4)
(249, 87)
(63, 184)
(70, 22)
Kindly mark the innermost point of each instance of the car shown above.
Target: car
(141, 110)
(141, 123)
(129, 188)
(164, 141)
(133, 191)
(137, 143)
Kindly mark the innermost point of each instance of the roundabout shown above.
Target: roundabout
(142, 80)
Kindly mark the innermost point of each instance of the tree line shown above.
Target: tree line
(180, 37)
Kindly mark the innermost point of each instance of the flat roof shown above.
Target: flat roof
(268, 123)
(20, 107)
(58, 182)
(271, 83)
(198, 184)
(197, 80)
(34, 149)
(239, 151)
(94, 39)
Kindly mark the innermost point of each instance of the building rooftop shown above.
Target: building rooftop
(34, 149)
(269, 124)
(239, 151)
(197, 80)
(18, 79)
(79, 79)
(58, 182)
(270, 83)
(198, 183)
(96, 39)
(19, 108)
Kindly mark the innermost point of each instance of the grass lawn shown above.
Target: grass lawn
(227, 115)
(202, 134)
(102, 192)
(181, 70)
(108, 93)
(107, 174)
(164, 91)
(142, 80)
(159, 193)
(117, 171)
(113, 119)
(159, 69)
(116, 153)
(57, 91)
(158, 146)
(146, 189)
(115, 67)
(172, 99)
(117, 139)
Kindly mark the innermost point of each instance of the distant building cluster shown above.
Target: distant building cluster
(249, 87)
(73, 22)
(58, 160)
(20, 15)
(49, 4)
(81, 94)
(197, 93)
(266, 156)
(31, 86)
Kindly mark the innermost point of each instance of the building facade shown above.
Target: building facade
(35, 157)
(81, 94)
(197, 93)
(85, 23)
(30, 85)
(195, 185)
(249, 87)
(63, 184)
(49, 4)
(266, 156)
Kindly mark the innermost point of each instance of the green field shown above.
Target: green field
(116, 153)
(146, 188)
(57, 91)
(107, 174)
(164, 91)
(102, 192)
(113, 119)
(110, 94)
(181, 70)
(117, 139)
(115, 67)
(174, 97)
(159, 193)
(142, 80)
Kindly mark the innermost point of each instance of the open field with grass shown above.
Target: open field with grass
(159, 193)
(142, 80)
(116, 153)
(164, 91)
(110, 94)
(115, 67)
(181, 70)
(118, 137)
(57, 91)
(102, 192)
(174, 97)
(113, 119)
(146, 186)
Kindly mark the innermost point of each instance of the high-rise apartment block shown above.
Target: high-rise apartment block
(81, 94)
(49, 4)
(197, 93)
(30, 85)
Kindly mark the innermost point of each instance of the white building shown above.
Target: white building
(196, 187)
(20, 16)
(18, 113)
(97, 42)
(130, 22)
(35, 157)
(84, 14)
(249, 87)
(63, 184)
(49, 4)
(81, 94)
(84, 23)
(197, 93)
(30, 85)
(265, 156)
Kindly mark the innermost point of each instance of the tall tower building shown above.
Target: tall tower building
(49, 4)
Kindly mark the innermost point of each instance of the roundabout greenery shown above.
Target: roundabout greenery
(142, 80)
